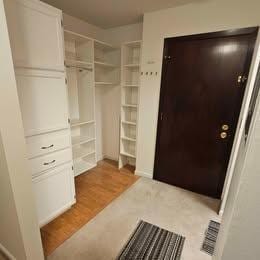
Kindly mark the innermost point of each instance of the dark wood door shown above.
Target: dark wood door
(203, 83)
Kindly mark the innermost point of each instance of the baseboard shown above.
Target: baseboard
(110, 158)
(56, 214)
(143, 174)
(6, 253)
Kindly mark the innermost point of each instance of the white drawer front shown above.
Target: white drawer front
(53, 192)
(47, 143)
(49, 161)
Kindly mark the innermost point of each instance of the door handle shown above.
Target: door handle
(47, 147)
(48, 163)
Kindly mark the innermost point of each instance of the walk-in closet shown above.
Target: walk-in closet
(79, 99)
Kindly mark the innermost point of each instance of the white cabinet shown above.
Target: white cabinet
(43, 100)
(38, 52)
(35, 34)
(53, 193)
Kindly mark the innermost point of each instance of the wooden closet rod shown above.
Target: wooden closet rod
(78, 67)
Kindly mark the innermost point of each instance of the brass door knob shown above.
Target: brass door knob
(223, 135)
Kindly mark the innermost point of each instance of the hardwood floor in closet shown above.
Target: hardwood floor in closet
(94, 191)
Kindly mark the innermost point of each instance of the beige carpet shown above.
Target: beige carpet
(168, 207)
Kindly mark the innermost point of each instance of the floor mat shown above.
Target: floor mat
(151, 242)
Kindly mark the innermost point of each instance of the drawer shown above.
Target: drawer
(47, 143)
(49, 161)
(54, 192)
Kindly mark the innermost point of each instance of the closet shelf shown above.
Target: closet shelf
(128, 154)
(105, 83)
(129, 106)
(81, 166)
(81, 140)
(104, 46)
(131, 85)
(81, 153)
(76, 122)
(79, 63)
(105, 64)
(134, 44)
(72, 36)
(132, 65)
(128, 139)
(128, 123)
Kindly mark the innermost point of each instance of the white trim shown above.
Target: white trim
(57, 213)
(241, 124)
(110, 157)
(143, 174)
(6, 253)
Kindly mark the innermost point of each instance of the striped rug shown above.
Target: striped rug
(211, 235)
(151, 242)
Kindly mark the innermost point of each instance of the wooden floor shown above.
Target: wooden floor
(94, 191)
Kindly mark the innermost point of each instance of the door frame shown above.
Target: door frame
(251, 57)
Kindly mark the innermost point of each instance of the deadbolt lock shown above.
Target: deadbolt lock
(223, 135)
(225, 127)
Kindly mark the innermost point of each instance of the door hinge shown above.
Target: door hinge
(161, 116)
(72, 168)
(61, 22)
(66, 81)
(68, 120)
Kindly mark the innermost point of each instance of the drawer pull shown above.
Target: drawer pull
(48, 163)
(47, 147)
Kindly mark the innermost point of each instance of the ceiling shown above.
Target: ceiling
(112, 13)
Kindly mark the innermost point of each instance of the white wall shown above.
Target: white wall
(119, 35)
(76, 25)
(201, 17)
(19, 230)
(107, 98)
(240, 229)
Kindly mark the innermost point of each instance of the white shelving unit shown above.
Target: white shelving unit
(130, 81)
(107, 64)
(90, 64)
(79, 51)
